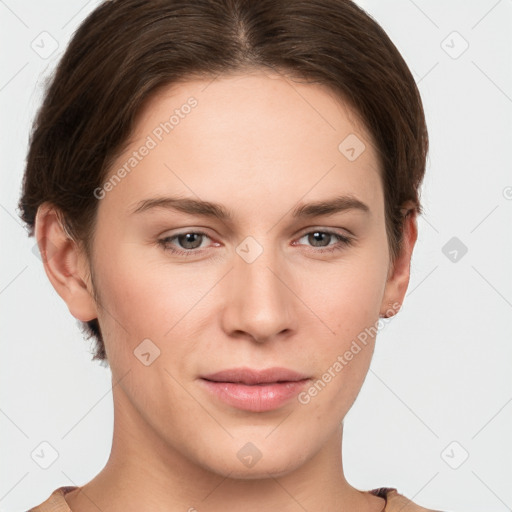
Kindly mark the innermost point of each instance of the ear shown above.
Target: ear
(399, 273)
(64, 263)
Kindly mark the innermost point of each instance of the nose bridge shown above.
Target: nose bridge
(260, 303)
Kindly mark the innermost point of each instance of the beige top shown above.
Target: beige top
(395, 502)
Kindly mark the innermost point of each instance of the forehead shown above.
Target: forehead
(242, 100)
(226, 136)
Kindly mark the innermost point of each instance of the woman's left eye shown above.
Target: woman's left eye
(319, 236)
(190, 242)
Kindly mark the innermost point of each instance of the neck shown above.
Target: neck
(145, 473)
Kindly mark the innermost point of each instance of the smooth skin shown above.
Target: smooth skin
(260, 144)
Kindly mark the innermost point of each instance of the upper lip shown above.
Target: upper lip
(253, 376)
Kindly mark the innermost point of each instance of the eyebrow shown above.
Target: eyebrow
(208, 209)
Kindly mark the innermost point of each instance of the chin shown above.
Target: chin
(271, 465)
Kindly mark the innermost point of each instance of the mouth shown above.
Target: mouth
(255, 390)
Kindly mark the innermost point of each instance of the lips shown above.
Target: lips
(254, 390)
(253, 377)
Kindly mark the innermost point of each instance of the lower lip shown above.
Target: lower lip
(255, 398)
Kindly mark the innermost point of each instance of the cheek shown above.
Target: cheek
(348, 303)
(141, 300)
(347, 295)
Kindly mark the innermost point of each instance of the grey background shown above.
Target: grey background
(439, 388)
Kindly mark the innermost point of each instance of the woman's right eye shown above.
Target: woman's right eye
(188, 241)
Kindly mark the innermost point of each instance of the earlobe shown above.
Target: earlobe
(398, 278)
(64, 263)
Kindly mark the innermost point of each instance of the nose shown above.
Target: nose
(260, 301)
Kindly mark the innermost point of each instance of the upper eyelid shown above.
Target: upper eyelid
(205, 230)
(334, 231)
(301, 233)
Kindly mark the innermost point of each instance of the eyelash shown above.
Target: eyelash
(343, 242)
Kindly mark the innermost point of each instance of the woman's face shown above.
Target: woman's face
(270, 284)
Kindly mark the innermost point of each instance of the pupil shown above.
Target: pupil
(317, 236)
(189, 239)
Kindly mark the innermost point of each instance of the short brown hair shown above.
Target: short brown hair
(126, 50)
